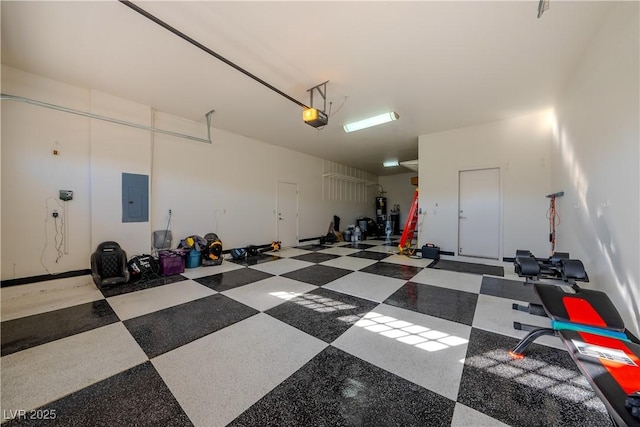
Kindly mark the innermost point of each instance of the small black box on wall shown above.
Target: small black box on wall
(431, 251)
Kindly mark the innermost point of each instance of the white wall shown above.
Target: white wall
(117, 149)
(32, 176)
(520, 147)
(228, 187)
(596, 161)
(399, 191)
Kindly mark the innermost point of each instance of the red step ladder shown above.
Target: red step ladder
(410, 226)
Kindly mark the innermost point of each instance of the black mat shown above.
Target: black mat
(467, 267)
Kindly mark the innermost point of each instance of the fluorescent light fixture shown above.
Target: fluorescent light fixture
(390, 164)
(371, 121)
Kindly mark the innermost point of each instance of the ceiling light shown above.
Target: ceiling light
(390, 164)
(371, 121)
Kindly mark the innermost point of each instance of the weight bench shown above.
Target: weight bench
(612, 368)
(606, 353)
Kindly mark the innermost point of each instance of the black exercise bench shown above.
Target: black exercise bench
(605, 351)
(612, 367)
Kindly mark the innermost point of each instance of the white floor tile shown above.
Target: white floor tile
(268, 293)
(495, 314)
(449, 279)
(339, 251)
(375, 242)
(423, 349)
(349, 263)
(289, 252)
(281, 266)
(138, 303)
(340, 243)
(405, 260)
(235, 367)
(38, 375)
(195, 273)
(463, 416)
(368, 286)
(35, 298)
(384, 249)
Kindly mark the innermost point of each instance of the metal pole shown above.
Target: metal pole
(7, 97)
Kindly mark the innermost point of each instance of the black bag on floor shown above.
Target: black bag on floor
(143, 266)
(431, 251)
(238, 253)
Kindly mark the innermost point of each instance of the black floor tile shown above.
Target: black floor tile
(232, 279)
(135, 397)
(543, 389)
(317, 274)
(322, 313)
(314, 247)
(315, 257)
(509, 289)
(467, 267)
(30, 331)
(151, 282)
(255, 259)
(167, 329)
(397, 271)
(359, 245)
(337, 389)
(449, 304)
(370, 255)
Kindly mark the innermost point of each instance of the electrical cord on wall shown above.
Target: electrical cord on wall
(59, 232)
(46, 240)
(554, 220)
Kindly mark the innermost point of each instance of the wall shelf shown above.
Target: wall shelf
(347, 178)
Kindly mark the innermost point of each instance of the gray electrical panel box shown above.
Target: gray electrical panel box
(135, 197)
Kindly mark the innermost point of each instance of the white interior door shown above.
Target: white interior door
(479, 213)
(287, 214)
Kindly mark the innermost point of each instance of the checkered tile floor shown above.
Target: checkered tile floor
(308, 336)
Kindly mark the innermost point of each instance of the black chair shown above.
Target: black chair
(109, 265)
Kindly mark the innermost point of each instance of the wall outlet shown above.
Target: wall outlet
(66, 195)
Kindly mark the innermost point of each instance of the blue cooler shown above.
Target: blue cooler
(193, 259)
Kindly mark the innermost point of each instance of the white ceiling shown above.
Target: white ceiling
(439, 65)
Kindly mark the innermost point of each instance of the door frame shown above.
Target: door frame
(500, 208)
(277, 223)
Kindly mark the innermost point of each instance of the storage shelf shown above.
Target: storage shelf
(347, 178)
